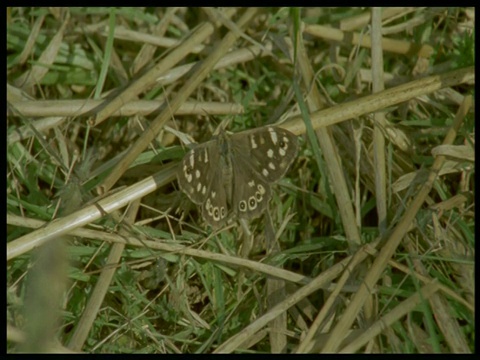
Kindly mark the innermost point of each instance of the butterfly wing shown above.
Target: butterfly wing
(233, 173)
(259, 157)
(202, 179)
(251, 192)
(270, 150)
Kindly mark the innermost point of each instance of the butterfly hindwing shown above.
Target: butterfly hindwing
(216, 209)
(200, 178)
(252, 192)
(196, 171)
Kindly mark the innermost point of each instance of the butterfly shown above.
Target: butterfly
(231, 175)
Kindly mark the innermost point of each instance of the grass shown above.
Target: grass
(364, 248)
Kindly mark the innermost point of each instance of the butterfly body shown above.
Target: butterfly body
(230, 175)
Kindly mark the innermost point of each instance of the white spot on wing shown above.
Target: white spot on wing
(253, 143)
(192, 159)
(273, 135)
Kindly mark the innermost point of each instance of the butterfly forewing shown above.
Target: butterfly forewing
(270, 150)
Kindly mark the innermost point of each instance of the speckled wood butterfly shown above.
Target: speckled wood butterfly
(230, 175)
